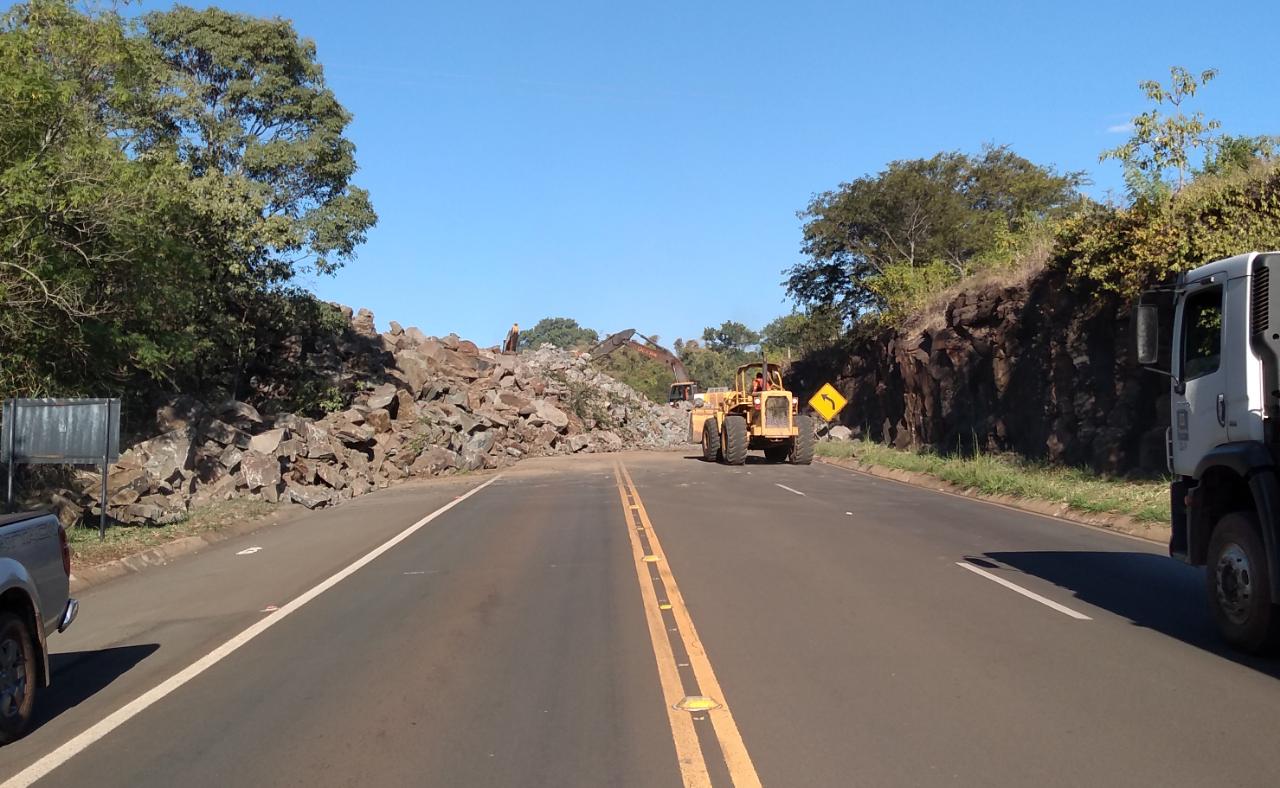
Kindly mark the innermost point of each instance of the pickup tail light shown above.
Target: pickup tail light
(66, 550)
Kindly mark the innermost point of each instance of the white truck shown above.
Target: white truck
(1222, 358)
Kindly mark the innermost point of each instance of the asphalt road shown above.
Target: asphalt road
(847, 631)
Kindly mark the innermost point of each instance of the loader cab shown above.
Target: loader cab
(747, 373)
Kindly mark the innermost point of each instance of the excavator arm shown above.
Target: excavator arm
(682, 389)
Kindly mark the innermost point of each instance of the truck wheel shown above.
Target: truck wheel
(710, 440)
(735, 439)
(777, 453)
(802, 449)
(1239, 586)
(18, 676)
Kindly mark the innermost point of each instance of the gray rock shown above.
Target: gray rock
(241, 413)
(379, 420)
(384, 397)
(168, 455)
(180, 412)
(551, 414)
(331, 475)
(259, 470)
(268, 442)
(840, 433)
(309, 496)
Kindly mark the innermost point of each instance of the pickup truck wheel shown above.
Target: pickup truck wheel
(1239, 587)
(735, 439)
(710, 440)
(802, 449)
(18, 676)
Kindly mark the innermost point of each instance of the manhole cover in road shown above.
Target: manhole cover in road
(696, 703)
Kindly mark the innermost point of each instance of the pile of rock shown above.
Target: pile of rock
(442, 406)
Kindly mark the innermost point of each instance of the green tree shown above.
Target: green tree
(924, 220)
(247, 112)
(709, 368)
(648, 376)
(96, 280)
(1236, 154)
(563, 332)
(1164, 142)
(802, 332)
(730, 337)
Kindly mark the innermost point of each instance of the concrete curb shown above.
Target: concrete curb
(1113, 523)
(91, 576)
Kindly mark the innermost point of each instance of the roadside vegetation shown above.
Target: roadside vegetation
(123, 540)
(1145, 500)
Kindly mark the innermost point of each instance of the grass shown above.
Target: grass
(123, 540)
(1144, 500)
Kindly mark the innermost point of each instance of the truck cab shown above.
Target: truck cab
(1224, 376)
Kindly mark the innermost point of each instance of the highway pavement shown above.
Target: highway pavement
(648, 619)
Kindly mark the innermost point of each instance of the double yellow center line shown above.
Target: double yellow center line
(671, 631)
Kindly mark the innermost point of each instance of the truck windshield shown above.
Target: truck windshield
(1202, 337)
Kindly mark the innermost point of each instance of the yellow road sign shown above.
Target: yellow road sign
(827, 402)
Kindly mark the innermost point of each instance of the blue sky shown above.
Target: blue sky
(641, 164)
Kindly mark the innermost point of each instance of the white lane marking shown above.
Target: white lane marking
(139, 704)
(249, 551)
(1028, 594)
(788, 489)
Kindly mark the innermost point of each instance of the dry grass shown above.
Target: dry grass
(125, 540)
(1018, 273)
(1146, 500)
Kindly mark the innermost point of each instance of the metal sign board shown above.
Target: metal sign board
(64, 431)
(827, 402)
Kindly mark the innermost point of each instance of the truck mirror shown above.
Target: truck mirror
(1148, 334)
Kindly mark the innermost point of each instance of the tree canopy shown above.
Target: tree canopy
(924, 219)
(562, 332)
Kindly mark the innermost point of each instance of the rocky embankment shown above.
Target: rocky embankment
(429, 407)
(1043, 369)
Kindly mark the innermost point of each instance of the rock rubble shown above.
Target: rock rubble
(439, 406)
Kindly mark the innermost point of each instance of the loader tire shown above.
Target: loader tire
(735, 440)
(710, 440)
(802, 449)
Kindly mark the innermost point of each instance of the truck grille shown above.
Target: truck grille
(1261, 298)
(777, 412)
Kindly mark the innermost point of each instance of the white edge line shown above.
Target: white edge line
(1028, 594)
(788, 489)
(106, 725)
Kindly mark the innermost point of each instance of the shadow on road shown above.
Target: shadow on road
(1150, 590)
(79, 675)
(752, 459)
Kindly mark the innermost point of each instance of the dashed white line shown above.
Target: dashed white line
(1028, 594)
(788, 489)
(139, 704)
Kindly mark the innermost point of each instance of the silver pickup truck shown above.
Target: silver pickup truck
(35, 601)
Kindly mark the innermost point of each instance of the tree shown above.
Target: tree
(709, 368)
(562, 332)
(802, 332)
(251, 116)
(1161, 143)
(731, 336)
(648, 376)
(248, 114)
(96, 279)
(930, 220)
(1235, 154)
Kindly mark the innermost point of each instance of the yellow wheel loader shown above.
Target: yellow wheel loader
(758, 413)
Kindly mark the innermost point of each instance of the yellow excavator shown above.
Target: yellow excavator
(684, 389)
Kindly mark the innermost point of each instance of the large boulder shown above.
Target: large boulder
(259, 470)
(168, 456)
(550, 414)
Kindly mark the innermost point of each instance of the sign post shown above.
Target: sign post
(827, 402)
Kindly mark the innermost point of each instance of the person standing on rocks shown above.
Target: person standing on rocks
(513, 339)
